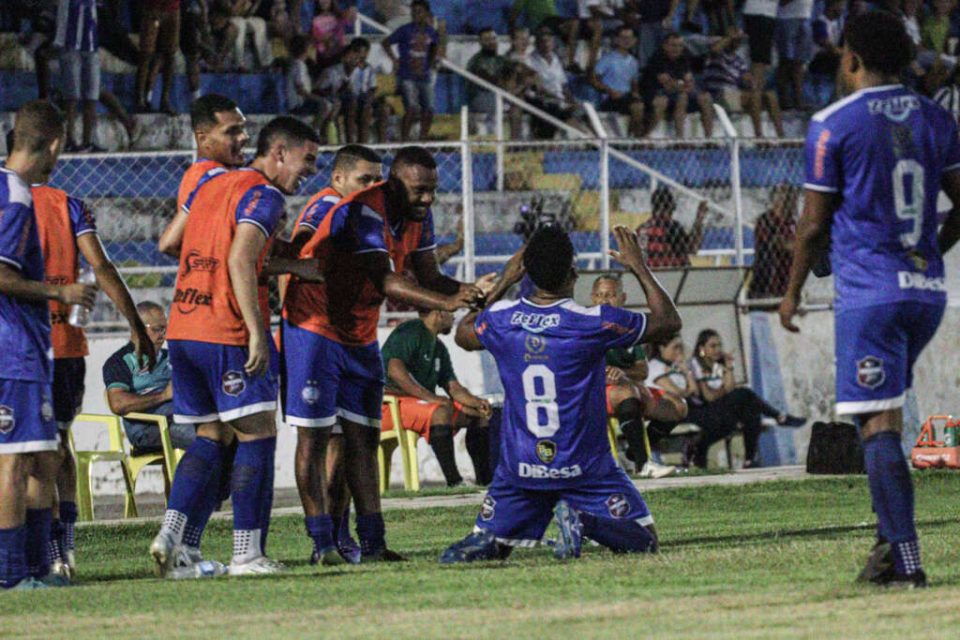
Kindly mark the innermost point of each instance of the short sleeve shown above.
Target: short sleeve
(446, 374)
(366, 227)
(428, 240)
(401, 345)
(484, 328)
(602, 67)
(16, 220)
(81, 218)
(620, 327)
(262, 206)
(822, 158)
(317, 211)
(116, 373)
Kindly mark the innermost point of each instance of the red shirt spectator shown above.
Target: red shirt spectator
(667, 243)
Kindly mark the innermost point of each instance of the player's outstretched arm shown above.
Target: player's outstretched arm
(242, 263)
(396, 287)
(813, 231)
(172, 236)
(472, 405)
(950, 231)
(13, 284)
(427, 269)
(116, 289)
(664, 319)
(466, 336)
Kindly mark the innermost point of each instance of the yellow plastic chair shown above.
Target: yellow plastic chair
(168, 458)
(613, 431)
(85, 458)
(389, 441)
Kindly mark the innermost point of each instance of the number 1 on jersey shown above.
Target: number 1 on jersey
(540, 392)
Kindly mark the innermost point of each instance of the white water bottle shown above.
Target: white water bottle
(79, 314)
(202, 569)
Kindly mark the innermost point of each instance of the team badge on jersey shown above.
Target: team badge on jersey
(618, 505)
(7, 419)
(233, 383)
(310, 393)
(870, 373)
(488, 508)
(546, 450)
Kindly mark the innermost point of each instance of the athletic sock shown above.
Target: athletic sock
(199, 516)
(249, 475)
(320, 529)
(13, 558)
(38, 535)
(68, 523)
(441, 441)
(189, 485)
(266, 497)
(892, 491)
(372, 532)
(630, 415)
(54, 548)
(622, 536)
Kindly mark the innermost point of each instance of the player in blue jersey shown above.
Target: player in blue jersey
(554, 454)
(875, 164)
(28, 431)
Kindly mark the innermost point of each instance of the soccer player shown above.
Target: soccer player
(331, 357)
(224, 361)
(67, 230)
(554, 453)
(875, 164)
(355, 168)
(28, 431)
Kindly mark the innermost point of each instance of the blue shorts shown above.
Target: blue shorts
(209, 383)
(323, 379)
(876, 348)
(27, 424)
(519, 517)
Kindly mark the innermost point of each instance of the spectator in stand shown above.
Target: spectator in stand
(283, 24)
(159, 42)
(519, 50)
(112, 34)
(416, 364)
(667, 371)
(195, 41)
(489, 65)
(948, 96)
(76, 37)
(668, 245)
(302, 98)
(552, 92)
(794, 38)
(360, 104)
(656, 21)
(337, 80)
(243, 16)
(668, 85)
(727, 78)
(133, 388)
(720, 16)
(775, 231)
(223, 36)
(759, 22)
(329, 31)
(594, 18)
(827, 35)
(617, 77)
(415, 67)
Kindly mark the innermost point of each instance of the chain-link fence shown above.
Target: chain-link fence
(679, 195)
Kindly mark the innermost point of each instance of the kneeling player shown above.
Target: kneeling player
(554, 451)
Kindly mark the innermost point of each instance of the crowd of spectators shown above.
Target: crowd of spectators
(649, 60)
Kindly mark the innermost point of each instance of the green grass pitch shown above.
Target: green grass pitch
(768, 560)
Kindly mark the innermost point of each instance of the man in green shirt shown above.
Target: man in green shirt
(416, 363)
(489, 65)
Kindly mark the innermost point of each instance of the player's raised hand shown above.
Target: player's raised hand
(258, 358)
(467, 297)
(78, 293)
(787, 310)
(628, 252)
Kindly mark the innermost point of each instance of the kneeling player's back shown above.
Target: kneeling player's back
(551, 362)
(204, 305)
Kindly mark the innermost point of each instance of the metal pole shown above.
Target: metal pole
(737, 200)
(466, 187)
(498, 123)
(605, 203)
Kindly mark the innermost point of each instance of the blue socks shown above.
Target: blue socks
(621, 536)
(251, 488)
(38, 536)
(189, 490)
(266, 498)
(892, 492)
(320, 529)
(372, 533)
(198, 517)
(13, 559)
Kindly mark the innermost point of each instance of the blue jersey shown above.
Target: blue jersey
(551, 362)
(25, 352)
(884, 150)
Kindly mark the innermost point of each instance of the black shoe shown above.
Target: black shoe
(384, 555)
(791, 421)
(915, 580)
(880, 567)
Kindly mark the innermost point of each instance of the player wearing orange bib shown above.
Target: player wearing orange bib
(67, 230)
(224, 361)
(332, 360)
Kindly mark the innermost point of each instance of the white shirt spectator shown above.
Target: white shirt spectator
(658, 369)
(797, 9)
(551, 72)
(768, 8)
(333, 79)
(712, 378)
(827, 30)
(363, 80)
(297, 75)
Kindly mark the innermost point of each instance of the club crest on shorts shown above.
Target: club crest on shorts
(870, 373)
(546, 450)
(46, 410)
(233, 383)
(7, 419)
(618, 505)
(488, 508)
(310, 393)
